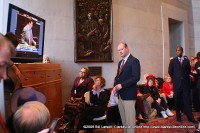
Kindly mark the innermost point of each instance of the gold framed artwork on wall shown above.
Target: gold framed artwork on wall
(93, 31)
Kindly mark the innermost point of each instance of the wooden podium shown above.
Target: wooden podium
(45, 78)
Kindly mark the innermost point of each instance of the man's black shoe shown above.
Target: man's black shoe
(142, 120)
(137, 123)
(193, 120)
(118, 123)
(178, 119)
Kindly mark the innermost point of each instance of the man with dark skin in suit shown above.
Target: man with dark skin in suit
(179, 70)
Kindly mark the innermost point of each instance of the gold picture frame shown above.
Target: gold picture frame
(93, 31)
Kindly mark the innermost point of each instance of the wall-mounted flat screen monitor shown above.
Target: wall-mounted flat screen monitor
(29, 29)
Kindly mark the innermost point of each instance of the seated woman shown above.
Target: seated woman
(82, 84)
(158, 102)
(97, 105)
(74, 106)
(145, 107)
(168, 90)
(113, 110)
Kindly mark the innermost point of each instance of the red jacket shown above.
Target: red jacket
(166, 89)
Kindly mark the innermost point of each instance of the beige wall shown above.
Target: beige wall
(196, 16)
(137, 22)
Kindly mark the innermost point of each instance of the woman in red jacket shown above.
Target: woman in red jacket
(168, 90)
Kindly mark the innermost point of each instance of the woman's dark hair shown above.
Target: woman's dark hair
(103, 81)
(160, 82)
(198, 55)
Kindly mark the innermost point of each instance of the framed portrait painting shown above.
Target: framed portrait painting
(93, 31)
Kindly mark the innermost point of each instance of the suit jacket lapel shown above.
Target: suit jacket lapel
(178, 61)
(125, 65)
(183, 61)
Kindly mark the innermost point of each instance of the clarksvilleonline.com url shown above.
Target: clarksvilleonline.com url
(100, 126)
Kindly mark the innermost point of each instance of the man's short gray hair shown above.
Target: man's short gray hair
(32, 117)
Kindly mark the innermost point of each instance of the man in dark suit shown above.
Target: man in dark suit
(128, 74)
(179, 70)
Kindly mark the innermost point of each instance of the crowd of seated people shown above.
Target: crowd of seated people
(101, 101)
(158, 102)
(155, 97)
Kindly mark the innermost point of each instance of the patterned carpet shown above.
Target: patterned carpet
(159, 125)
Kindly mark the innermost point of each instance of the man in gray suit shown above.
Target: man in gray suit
(27, 35)
(128, 74)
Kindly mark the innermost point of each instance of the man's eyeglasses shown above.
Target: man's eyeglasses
(82, 72)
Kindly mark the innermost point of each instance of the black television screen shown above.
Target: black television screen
(29, 29)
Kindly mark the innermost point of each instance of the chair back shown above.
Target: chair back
(87, 96)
